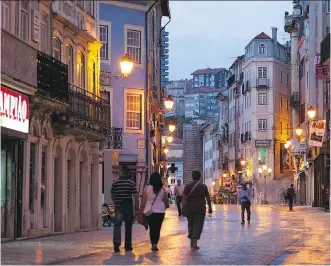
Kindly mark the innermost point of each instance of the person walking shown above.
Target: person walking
(153, 206)
(245, 197)
(179, 189)
(123, 192)
(290, 195)
(168, 191)
(194, 207)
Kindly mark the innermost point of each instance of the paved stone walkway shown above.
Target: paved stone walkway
(275, 237)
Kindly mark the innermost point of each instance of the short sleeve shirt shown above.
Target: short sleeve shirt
(122, 190)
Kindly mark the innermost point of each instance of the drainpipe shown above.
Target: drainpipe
(146, 90)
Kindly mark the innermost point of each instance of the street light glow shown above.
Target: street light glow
(286, 145)
(165, 150)
(243, 162)
(311, 112)
(172, 127)
(169, 103)
(260, 170)
(126, 65)
(298, 131)
(269, 170)
(224, 175)
(264, 167)
(170, 139)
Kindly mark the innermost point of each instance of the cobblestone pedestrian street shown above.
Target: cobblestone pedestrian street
(275, 236)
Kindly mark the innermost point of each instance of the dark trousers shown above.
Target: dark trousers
(195, 224)
(124, 212)
(290, 204)
(179, 204)
(155, 221)
(245, 206)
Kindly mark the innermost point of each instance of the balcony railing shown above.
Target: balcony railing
(262, 83)
(231, 80)
(325, 49)
(52, 77)
(18, 59)
(88, 107)
(114, 140)
(247, 86)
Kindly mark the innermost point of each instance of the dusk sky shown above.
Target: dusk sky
(212, 33)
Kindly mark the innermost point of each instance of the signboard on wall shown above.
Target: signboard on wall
(263, 143)
(14, 110)
(316, 133)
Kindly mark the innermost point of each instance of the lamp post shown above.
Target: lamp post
(172, 127)
(169, 103)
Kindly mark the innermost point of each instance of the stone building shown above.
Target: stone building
(58, 187)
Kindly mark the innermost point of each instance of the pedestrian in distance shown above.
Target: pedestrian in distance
(153, 206)
(169, 194)
(245, 197)
(195, 196)
(123, 192)
(179, 189)
(290, 195)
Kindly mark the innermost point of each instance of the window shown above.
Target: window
(80, 70)
(287, 79)
(133, 111)
(90, 7)
(24, 20)
(328, 6)
(281, 77)
(44, 33)
(262, 72)
(281, 102)
(5, 16)
(262, 99)
(287, 105)
(281, 127)
(70, 63)
(104, 53)
(262, 124)
(56, 49)
(134, 45)
(262, 49)
(17, 18)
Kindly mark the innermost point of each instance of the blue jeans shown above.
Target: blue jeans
(124, 212)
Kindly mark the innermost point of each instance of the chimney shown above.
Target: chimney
(274, 38)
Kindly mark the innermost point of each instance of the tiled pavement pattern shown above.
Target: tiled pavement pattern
(275, 236)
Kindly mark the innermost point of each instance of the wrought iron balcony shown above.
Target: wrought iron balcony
(114, 140)
(325, 49)
(88, 110)
(52, 78)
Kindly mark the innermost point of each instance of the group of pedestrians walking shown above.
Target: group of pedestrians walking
(191, 203)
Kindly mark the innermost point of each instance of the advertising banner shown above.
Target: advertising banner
(316, 133)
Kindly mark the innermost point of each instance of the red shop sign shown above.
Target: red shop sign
(14, 110)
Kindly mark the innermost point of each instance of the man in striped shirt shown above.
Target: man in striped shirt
(123, 192)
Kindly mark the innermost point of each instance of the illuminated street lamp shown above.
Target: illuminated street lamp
(286, 145)
(165, 150)
(298, 131)
(311, 112)
(126, 64)
(269, 171)
(172, 127)
(260, 170)
(213, 183)
(169, 103)
(264, 167)
(170, 139)
(242, 162)
(224, 175)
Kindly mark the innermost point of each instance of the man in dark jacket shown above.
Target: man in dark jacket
(290, 196)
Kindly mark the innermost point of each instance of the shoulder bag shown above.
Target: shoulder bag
(184, 207)
(151, 209)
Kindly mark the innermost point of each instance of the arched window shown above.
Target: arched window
(262, 49)
(70, 63)
(56, 48)
(45, 135)
(80, 70)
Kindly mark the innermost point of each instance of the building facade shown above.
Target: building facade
(310, 35)
(122, 31)
(212, 78)
(60, 184)
(164, 58)
(177, 89)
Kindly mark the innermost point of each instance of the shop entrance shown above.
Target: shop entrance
(11, 187)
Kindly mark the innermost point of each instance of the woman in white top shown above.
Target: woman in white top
(153, 205)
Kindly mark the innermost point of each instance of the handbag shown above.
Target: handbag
(184, 207)
(151, 209)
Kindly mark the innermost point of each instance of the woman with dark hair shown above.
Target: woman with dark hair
(153, 205)
(195, 196)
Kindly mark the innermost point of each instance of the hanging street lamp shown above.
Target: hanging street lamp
(172, 127)
(170, 138)
(168, 103)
